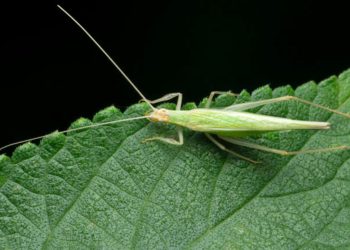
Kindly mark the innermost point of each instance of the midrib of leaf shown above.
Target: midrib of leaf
(96, 172)
(250, 200)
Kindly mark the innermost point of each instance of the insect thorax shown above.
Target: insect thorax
(159, 115)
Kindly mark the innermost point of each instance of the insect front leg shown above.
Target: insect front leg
(222, 147)
(168, 97)
(249, 144)
(214, 93)
(172, 141)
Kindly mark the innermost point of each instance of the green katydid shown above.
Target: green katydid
(230, 124)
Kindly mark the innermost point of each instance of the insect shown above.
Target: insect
(230, 124)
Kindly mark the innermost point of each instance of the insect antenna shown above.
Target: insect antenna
(97, 124)
(74, 129)
(106, 54)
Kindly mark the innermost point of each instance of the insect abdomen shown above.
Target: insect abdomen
(235, 123)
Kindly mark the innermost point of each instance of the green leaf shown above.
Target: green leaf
(102, 188)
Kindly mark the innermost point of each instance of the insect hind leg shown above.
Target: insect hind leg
(250, 105)
(222, 147)
(318, 106)
(252, 145)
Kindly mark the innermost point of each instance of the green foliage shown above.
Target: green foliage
(103, 188)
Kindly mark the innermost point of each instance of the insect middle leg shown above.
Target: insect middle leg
(249, 144)
(222, 147)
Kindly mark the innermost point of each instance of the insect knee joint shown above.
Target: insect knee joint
(290, 97)
(284, 153)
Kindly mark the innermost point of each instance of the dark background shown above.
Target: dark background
(51, 74)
